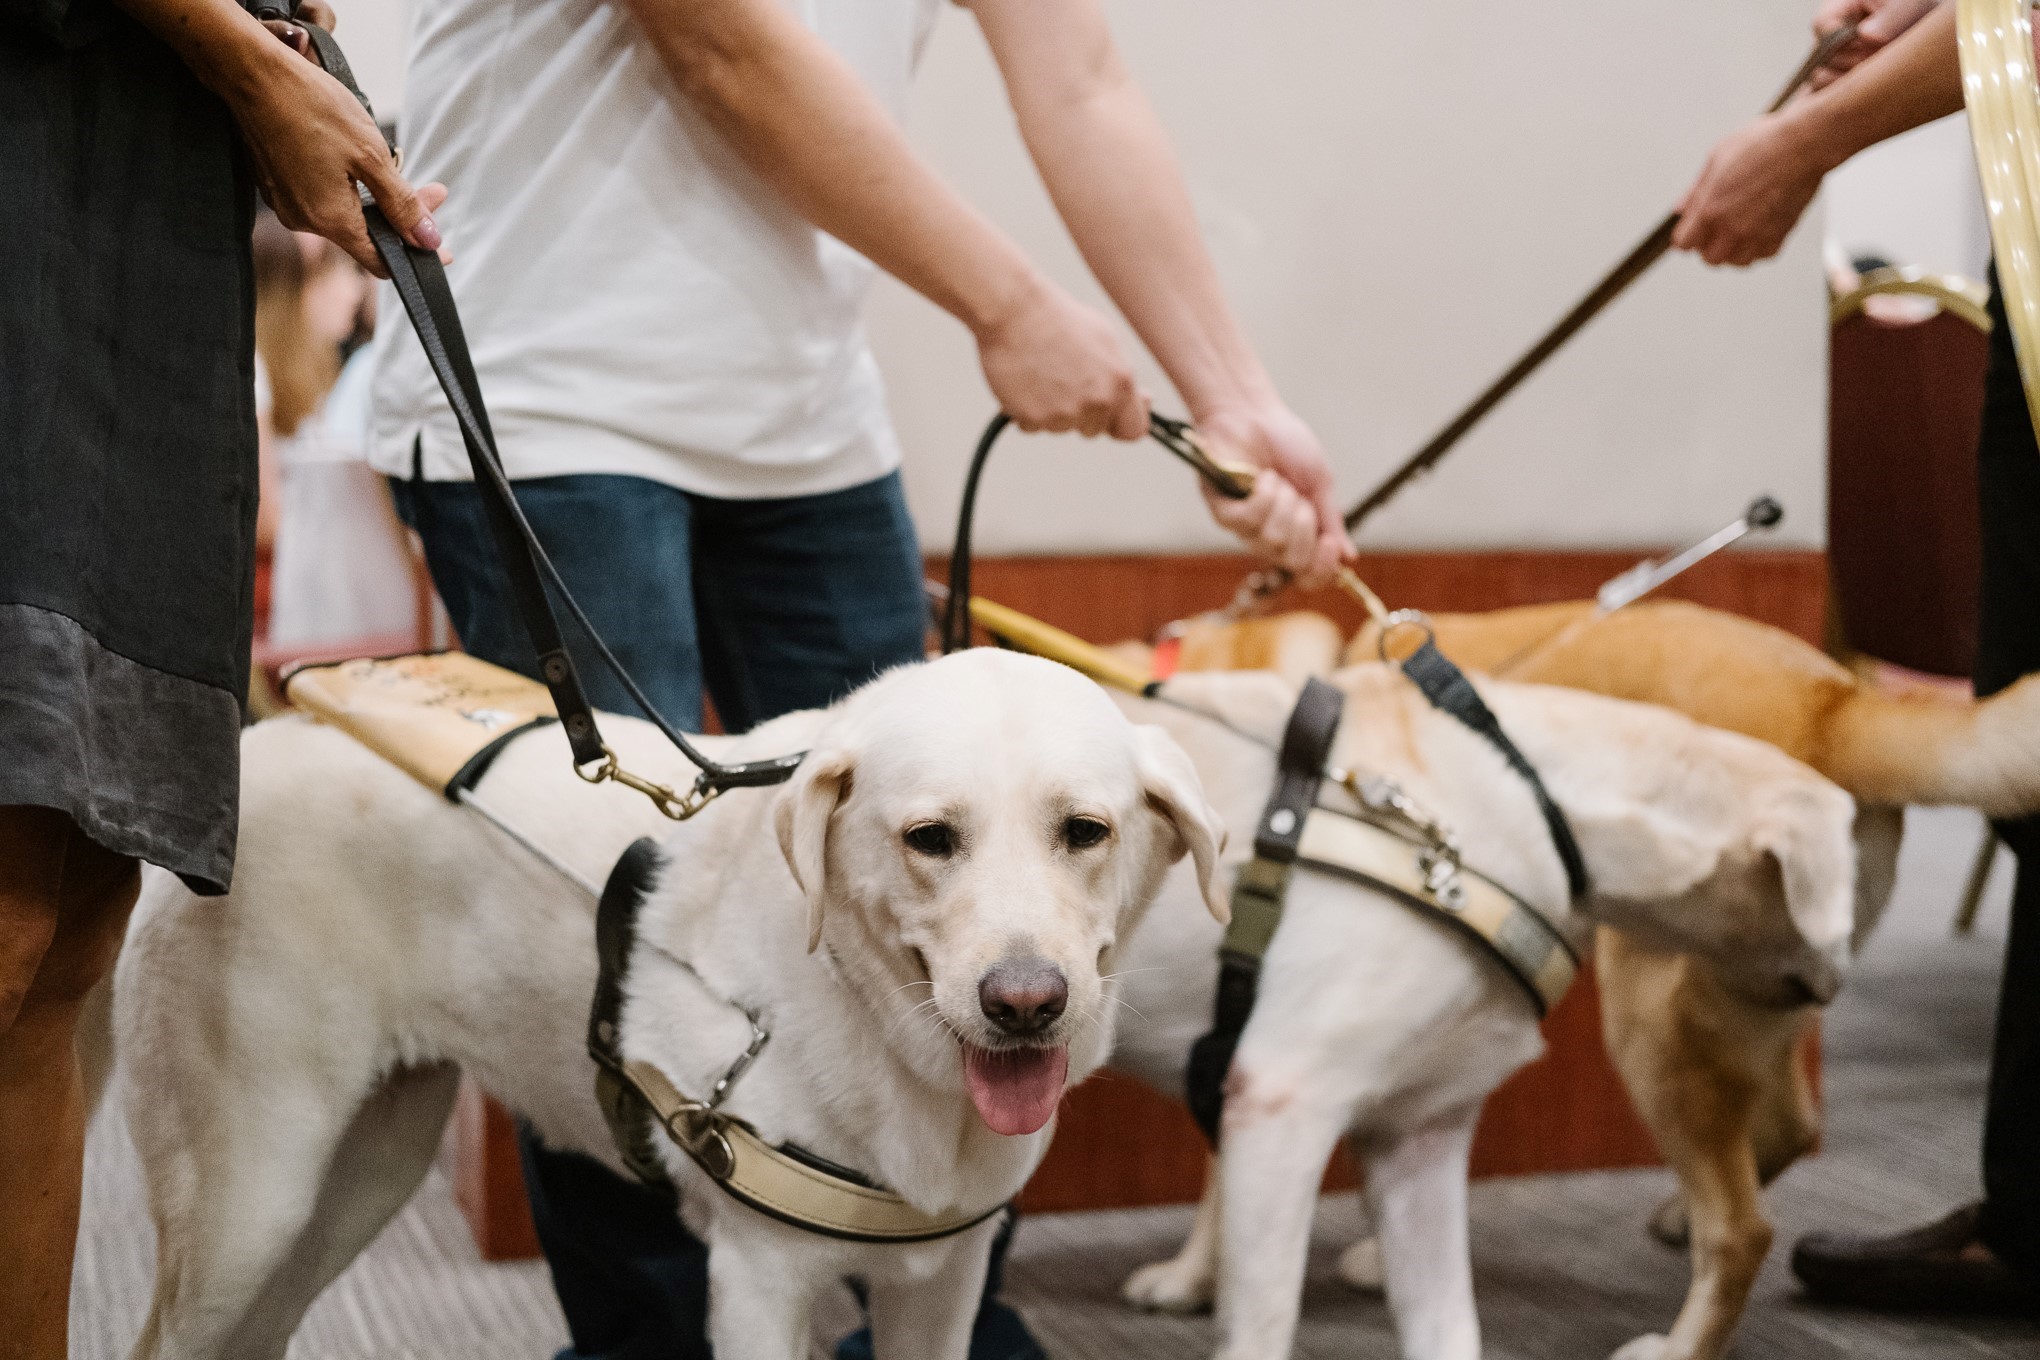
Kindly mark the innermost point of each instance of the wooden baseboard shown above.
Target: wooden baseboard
(1120, 1144)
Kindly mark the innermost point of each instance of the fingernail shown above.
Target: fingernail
(427, 232)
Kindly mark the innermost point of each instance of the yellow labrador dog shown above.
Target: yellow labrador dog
(924, 920)
(1377, 1024)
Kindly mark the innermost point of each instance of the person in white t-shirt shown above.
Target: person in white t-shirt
(664, 217)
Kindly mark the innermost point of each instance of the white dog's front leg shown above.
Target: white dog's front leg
(761, 1291)
(929, 1317)
(1418, 1188)
(1277, 1134)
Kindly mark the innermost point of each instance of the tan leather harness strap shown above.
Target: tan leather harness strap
(794, 1188)
(1521, 938)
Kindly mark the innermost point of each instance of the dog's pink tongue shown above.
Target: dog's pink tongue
(1015, 1090)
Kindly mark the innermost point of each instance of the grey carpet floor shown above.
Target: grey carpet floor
(1563, 1269)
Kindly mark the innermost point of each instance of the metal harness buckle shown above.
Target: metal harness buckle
(1438, 857)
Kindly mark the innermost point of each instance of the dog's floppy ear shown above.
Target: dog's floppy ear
(1639, 853)
(1808, 839)
(1173, 790)
(801, 817)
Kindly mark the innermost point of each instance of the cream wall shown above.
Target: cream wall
(1914, 200)
(1400, 197)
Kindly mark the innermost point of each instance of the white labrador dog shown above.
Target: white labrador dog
(1376, 1023)
(924, 919)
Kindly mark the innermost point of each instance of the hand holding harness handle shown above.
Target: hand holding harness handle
(787, 1183)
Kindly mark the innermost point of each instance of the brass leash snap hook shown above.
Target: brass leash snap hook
(670, 803)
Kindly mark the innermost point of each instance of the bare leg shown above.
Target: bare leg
(1417, 1185)
(1183, 1284)
(64, 904)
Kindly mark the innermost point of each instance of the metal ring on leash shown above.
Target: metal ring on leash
(1402, 618)
(1995, 39)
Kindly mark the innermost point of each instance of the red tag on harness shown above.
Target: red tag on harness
(1168, 655)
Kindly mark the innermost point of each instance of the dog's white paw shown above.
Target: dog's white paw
(1649, 1347)
(1172, 1286)
(1360, 1266)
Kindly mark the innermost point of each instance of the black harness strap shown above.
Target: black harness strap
(1258, 894)
(1449, 691)
(632, 1125)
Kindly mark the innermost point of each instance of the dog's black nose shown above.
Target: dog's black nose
(1023, 996)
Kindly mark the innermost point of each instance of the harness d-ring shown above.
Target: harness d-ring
(1402, 618)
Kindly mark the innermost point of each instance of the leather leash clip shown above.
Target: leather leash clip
(669, 801)
(1179, 437)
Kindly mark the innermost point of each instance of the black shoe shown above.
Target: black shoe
(1941, 1268)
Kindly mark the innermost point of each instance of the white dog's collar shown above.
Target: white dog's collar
(786, 1183)
(791, 1186)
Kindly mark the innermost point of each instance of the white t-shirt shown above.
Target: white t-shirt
(636, 300)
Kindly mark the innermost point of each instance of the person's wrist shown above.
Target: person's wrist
(1007, 293)
(232, 54)
(1817, 140)
(1247, 404)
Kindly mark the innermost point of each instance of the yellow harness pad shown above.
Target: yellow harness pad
(430, 715)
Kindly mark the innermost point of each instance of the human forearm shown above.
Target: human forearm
(801, 119)
(1113, 176)
(308, 138)
(1759, 180)
(225, 47)
(1915, 79)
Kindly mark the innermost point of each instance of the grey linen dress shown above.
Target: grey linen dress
(127, 438)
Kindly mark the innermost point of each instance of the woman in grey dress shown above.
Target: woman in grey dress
(132, 139)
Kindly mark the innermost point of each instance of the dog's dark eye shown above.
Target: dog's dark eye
(1081, 833)
(932, 838)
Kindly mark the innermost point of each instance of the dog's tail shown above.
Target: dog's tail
(1927, 748)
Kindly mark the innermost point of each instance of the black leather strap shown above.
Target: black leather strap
(421, 286)
(632, 1125)
(1257, 897)
(1449, 691)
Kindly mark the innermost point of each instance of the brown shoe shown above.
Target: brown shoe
(1941, 1268)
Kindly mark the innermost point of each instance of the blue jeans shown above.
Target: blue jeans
(776, 605)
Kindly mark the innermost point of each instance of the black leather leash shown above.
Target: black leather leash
(421, 285)
(1177, 436)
